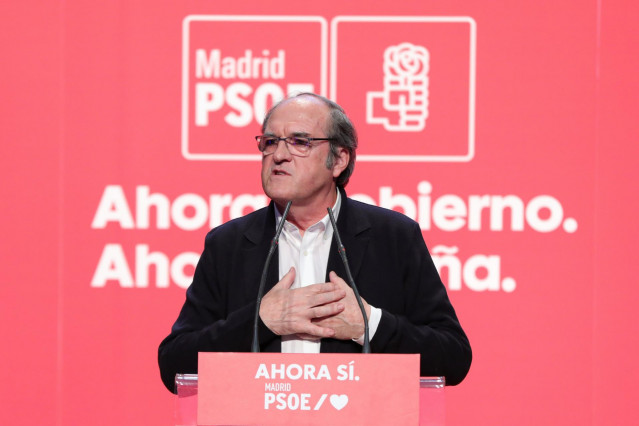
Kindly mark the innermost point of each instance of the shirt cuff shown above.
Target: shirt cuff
(373, 322)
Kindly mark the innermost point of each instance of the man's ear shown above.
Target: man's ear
(341, 162)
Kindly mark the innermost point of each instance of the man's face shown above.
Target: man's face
(304, 180)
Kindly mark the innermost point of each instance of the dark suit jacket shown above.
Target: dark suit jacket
(391, 267)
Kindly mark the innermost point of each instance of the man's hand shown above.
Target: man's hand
(291, 311)
(348, 323)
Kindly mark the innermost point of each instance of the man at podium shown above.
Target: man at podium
(308, 147)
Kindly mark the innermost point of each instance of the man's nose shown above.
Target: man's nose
(281, 152)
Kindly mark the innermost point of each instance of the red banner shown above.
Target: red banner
(507, 133)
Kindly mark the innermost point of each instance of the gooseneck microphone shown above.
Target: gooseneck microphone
(366, 348)
(255, 346)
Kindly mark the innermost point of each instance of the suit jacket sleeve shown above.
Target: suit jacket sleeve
(427, 323)
(220, 304)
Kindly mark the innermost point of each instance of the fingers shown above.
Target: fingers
(287, 280)
(337, 280)
(327, 310)
(317, 331)
(324, 294)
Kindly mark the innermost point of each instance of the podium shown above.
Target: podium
(431, 400)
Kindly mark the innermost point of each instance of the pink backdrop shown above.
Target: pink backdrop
(527, 105)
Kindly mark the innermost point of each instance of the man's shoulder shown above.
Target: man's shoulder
(238, 226)
(378, 214)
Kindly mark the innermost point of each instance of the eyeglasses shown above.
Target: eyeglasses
(297, 145)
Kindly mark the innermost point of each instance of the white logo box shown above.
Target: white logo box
(341, 21)
(186, 141)
(336, 24)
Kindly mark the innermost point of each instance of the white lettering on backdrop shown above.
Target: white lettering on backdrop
(189, 212)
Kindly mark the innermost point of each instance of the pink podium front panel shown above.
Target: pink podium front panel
(432, 407)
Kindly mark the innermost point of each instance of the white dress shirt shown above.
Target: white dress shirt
(308, 253)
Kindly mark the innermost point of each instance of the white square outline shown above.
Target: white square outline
(471, 95)
(185, 73)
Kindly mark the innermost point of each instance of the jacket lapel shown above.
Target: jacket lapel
(352, 228)
(259, 236)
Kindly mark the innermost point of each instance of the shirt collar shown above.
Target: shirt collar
(324, 221)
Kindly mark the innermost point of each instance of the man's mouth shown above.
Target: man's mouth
(277, 172)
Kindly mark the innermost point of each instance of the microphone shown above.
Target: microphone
(255, 346)
(366, 348)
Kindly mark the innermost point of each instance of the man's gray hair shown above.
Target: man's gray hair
(340, 130)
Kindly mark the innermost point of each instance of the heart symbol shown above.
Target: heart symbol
(339, 401)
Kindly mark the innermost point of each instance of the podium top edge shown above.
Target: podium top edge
(190, 380)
